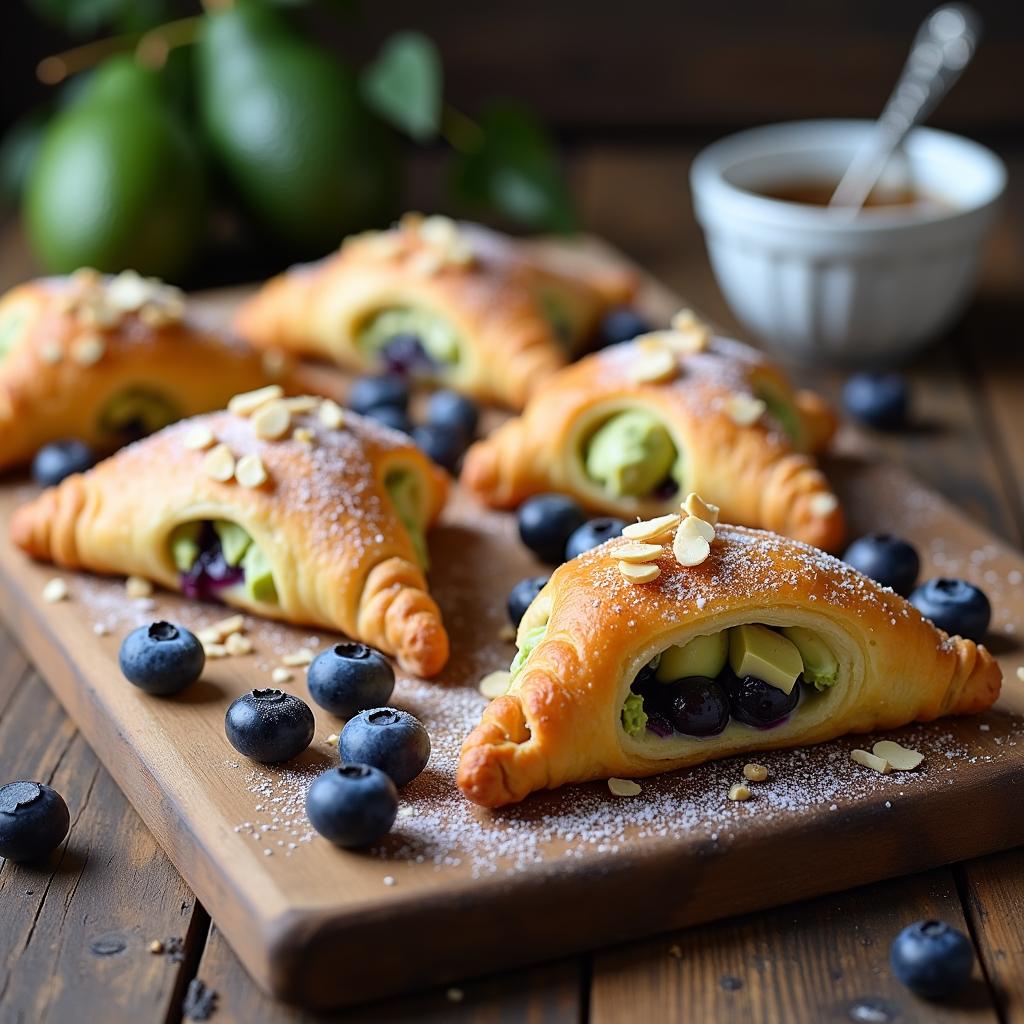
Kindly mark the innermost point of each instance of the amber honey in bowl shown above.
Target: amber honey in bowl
(818, 193)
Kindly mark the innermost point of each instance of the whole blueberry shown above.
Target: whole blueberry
(162, 658)
(372, 392)
(352, 805)
(33, 821)
(622, 324)
(393, 741)
(932, 959)
(546, 522)
(349, 677)
(956, 606)
(880, 400)
(390, 416)
(757, 703)
(521, 597)
(888, 560)
(269, 726)
(450, 409)
(592, 533)
(53, 462)
(696, 706)
(443, 443)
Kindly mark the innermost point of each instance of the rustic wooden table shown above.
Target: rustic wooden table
(75, 937)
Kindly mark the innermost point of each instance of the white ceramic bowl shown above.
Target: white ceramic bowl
(821, 286)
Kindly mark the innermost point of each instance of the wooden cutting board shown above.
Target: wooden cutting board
(456, 890)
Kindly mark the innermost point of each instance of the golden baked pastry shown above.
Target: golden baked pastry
(630, 429)
(454, 303)
(107, 360)
(610, 669)
(290, 508)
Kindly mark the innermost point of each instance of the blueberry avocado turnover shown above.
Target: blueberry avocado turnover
(687, 640)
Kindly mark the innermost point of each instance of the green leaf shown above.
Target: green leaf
(514, 169)
(403, 85)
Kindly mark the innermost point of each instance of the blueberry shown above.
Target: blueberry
(349, 677)
(53, 462)
(879, 400)
(521, 597)
(956, 606)
(450, 409)
(352, 805)
(33, 821)
(393, 741)
(932, 959)
(269, 726)
(162, 658)
(696, 706)
(591, 534)
(545, 523)
(372, 392)
(622, 324)
(888, 560)
(390, 416)
(444, 444)
(757, 703)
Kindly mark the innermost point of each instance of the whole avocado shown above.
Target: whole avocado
(286, 123)
(117, 182)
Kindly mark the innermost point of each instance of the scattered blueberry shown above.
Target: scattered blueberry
(888, 560)
(444, 444)
(53, 462)
(696, 706)
(352, 805)
(162, 658)
(757, 703)
(521, 597)
(393, 741)
(269, 726)
(545, 523)
(372, 392)
(932, 959)
(450, 409)
(956, 606)
(591, 534)
(880, 400)
(390, 416)
(33, 821)
(622, 324)
(349, 677)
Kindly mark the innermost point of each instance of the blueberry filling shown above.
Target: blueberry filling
(214, 556)
(409, 341)
(210, 572)
(405, 356)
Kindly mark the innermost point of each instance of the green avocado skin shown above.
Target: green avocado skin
(117, 182)
(286, 124)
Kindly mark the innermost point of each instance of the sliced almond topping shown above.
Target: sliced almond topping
(250, 471)
(495, 684)
(101, 629)
(638, 552)
(331, 414)
(51, 353)
(902, 759)
(652, 529)
(755, 772)
(88, 349)
(654, 364)
(274, 362)
(299, 658)
(689, 334)
(223, 628)
(128, 291)
(281, 675)
(739, 791)
(238, 644)
(1020, 673)
(823, 504)
(208, 636)
(248, 402)
(198, 437)
(439, 230)
(872, 761)
(272, 420)
(695, 506)
(215, 650)
(303, 435)
(507, 633)
(624, 787)
(744, 410)
(156, 316)
(426, 263)
(219, 463)
(136, 587)
(691, 545)
(301, 403)
(55, 590)
(644, 573)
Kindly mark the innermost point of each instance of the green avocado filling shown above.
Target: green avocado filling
(191, 542)
(136, 413)
(632, 455)
(558, 315)
(185, 545)
(530, 641)
(438, 338)
(11, 322)
(634, 718)
(783, 412)
(403, 488)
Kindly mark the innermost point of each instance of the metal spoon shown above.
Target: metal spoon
(943, 47)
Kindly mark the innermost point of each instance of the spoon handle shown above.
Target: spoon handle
(942, 48)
